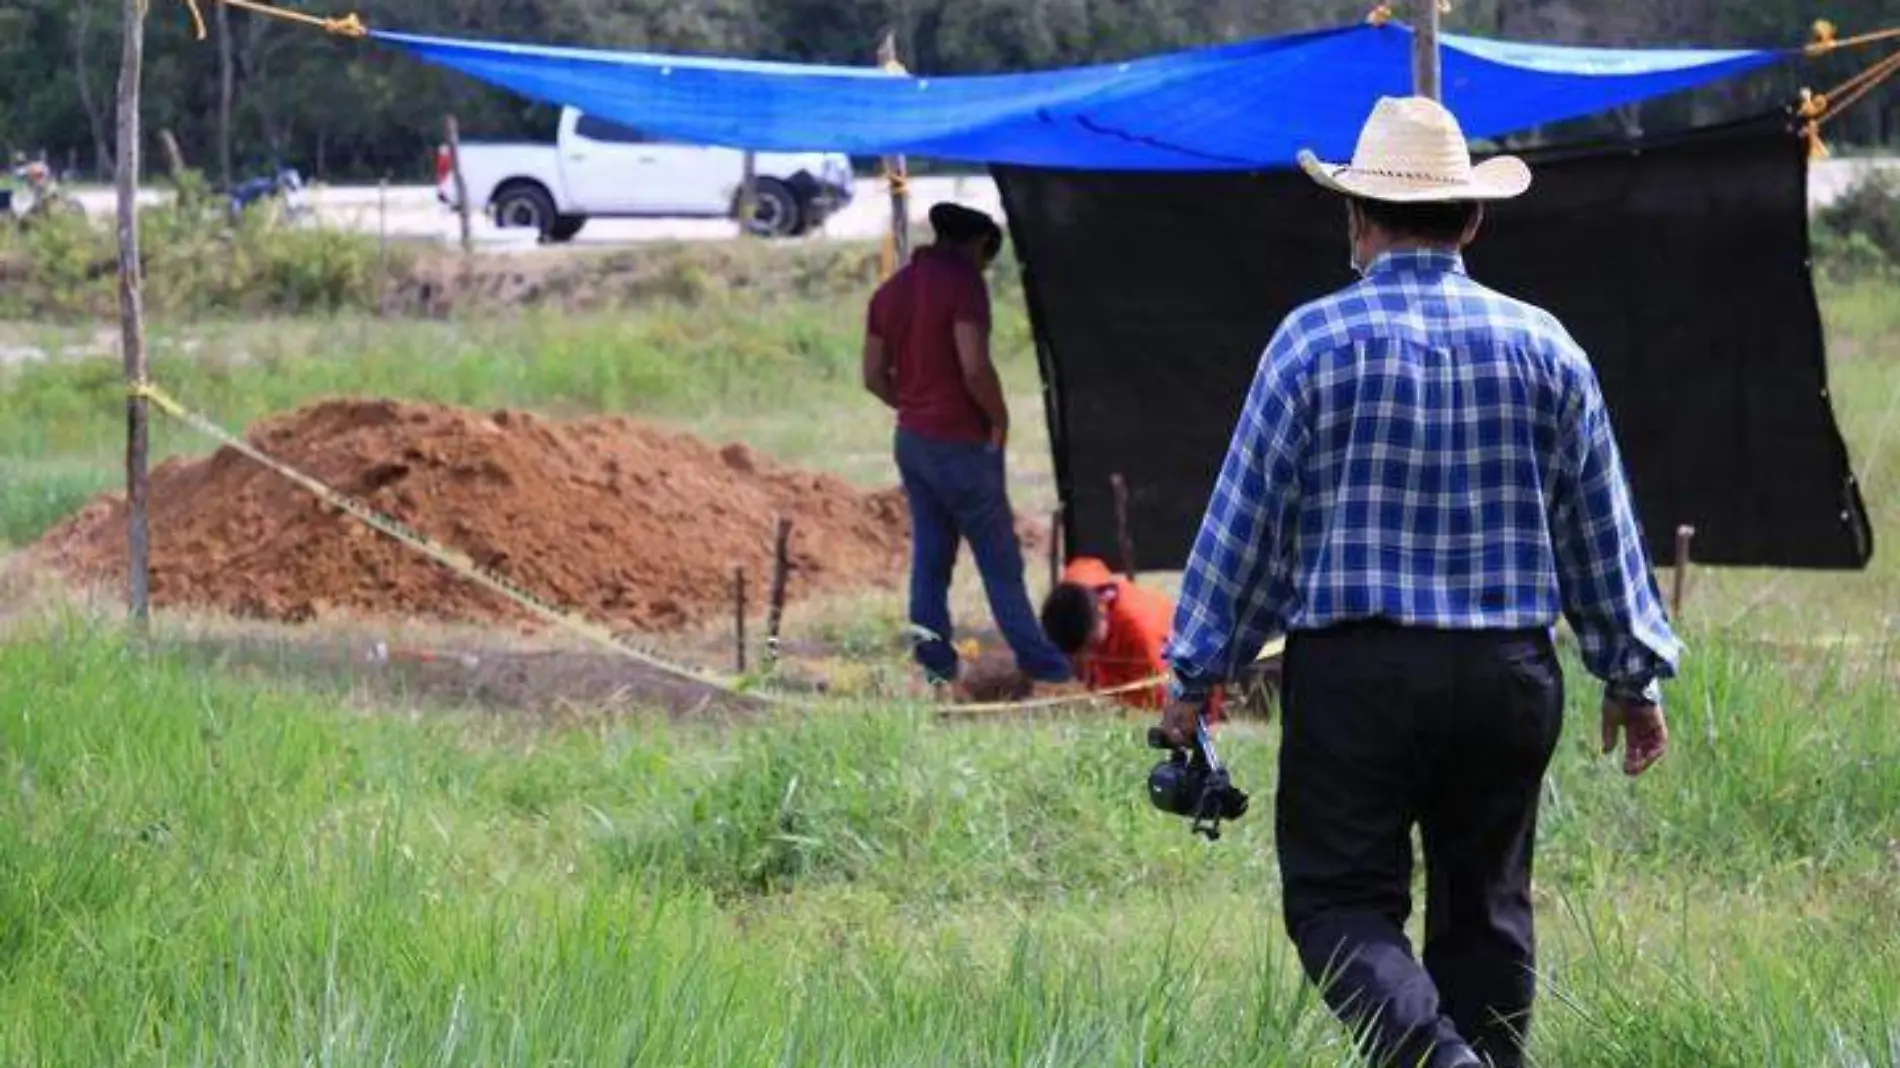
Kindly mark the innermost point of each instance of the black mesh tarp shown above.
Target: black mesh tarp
(1680, 264)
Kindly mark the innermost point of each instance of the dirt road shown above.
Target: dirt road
(412, 211)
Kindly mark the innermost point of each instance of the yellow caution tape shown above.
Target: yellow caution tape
(461, 564)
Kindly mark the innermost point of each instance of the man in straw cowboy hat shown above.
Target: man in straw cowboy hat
(1422, 479)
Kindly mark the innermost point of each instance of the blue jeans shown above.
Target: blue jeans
(957, 490)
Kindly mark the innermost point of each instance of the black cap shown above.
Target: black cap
(956, 223)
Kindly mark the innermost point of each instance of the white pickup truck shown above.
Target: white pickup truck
(601, 169)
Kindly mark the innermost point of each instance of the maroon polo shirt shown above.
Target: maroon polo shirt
(915, 313)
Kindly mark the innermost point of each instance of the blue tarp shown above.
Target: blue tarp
(1244, 106)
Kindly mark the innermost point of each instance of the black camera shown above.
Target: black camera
(1193, 782)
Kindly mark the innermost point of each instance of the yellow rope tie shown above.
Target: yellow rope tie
(1827, 38)
(345, 26)
(1381, 14)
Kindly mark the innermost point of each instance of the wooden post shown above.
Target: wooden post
(748, 193)
(454, 132)
(1680, 588)
(738, 617)
(896, 172)
(1055, 547)
(132, 322)
(1425, 58)
(781, 572)
(382, 241)
(1122, 538)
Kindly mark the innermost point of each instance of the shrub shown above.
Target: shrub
(1859, 233)
(196, 260)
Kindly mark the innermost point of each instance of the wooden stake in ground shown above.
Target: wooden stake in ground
(1680, 588)
(1425, 58)
(896, 171)
(781, 572)
(1122, 537)
(132, 322)
(453, 131)
(738, 618)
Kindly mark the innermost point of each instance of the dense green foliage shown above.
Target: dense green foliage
(341, 109)
(1860, 233)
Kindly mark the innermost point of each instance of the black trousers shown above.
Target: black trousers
(1386, 728)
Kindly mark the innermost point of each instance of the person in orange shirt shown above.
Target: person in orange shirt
(1113, 631)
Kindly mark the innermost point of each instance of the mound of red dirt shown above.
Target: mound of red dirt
(632, 526)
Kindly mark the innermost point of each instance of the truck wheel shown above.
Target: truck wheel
(525, 205)
(566, 226)
(775, 210)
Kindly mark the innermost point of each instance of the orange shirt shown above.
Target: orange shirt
(1139, 620)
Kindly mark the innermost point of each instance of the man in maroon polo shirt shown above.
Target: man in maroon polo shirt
(927, 357)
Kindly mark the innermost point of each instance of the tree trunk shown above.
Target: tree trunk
(132, 320)
(95, 118)
(227, 90)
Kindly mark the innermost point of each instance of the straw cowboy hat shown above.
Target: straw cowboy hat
(1412, 151)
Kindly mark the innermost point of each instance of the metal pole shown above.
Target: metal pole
(1425, 60)
(132, 323)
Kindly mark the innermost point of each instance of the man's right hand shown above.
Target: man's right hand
(999, 435)
(1179, 722)
(1645, 732)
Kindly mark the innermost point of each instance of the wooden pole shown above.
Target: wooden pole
(1055, 547)
(1425, 58)
(1680, 588)
(896, 171)
(1122, 538)
(382, 240)
(454, 132)
(748, 193)
(132, 322)
(738, 617)
(781, 572)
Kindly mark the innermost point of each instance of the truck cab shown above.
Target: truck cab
(598, 168)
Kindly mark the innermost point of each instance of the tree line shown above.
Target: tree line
(258, 91)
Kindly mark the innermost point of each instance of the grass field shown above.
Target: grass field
(203, 869)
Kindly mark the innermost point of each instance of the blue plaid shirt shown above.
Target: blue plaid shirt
(1421, 448)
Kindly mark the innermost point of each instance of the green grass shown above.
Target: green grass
(202, 871)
